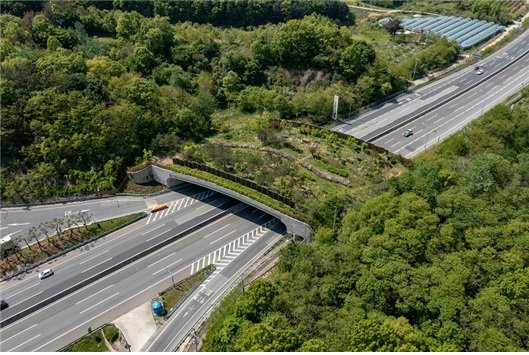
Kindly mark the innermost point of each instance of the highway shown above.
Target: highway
(16, 221)
(32, 291)
(61, 322)
(442, 108)
(172, 333)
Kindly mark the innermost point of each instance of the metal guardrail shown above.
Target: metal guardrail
(452, 97)
(67, 250)
(236, 179)
(111, 269)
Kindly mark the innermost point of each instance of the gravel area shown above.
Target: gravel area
(137, 326)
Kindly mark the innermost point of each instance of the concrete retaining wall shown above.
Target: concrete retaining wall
(170, 179)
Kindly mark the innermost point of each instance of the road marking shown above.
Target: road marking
(14, 335)
(24, 289)
(108, 309)
(205, 205)
(90, 268)
(92, 295)
(396, 144)
(97, 304)
(213, 242)
(156, 236)
(165, 267)
(152, 230)
(25, 299)
(261, 216)
(18, 224)
(156, 262)
(150, 216)
(10, 234)
(174, 206)
(2, 228)
(210, 234)
(24, 343)
(93, 257)
(185, 305)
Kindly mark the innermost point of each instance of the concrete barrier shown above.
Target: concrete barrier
(171, 178)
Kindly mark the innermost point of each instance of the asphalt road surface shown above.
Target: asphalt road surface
(384, 126)
(61, 322)
(174, 331)
(16, 221)
(32, 291)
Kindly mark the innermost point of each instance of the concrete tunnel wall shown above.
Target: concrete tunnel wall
(171, 179)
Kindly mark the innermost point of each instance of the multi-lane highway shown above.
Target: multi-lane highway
(440, 109)
(16, 221)
(57, 324)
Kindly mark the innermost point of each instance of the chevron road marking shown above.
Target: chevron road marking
(179, 204)
(221, 257)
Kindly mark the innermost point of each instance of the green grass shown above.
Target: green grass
(174, 295)
(372, 36)
(111, 333)
(104, 226)
(94, 342)
(147, 188)
(368, 171)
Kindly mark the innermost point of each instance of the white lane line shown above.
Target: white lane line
(24, 343)
(156, 262)
(157, 235)
(12, 336)
(205, 205)
(27, 288)
(261, 216)
(18, 224)
(168, 266)
(10, 234)
(213, 242)
(108, 309)
(174, 205)
(152, 230)
(93, 257)
(180, 204)
(150, 216)
(2, 228)
(218, 230)
(104, 261)
(187, 201)
(25, 299)
(98, 303)
(92, 295)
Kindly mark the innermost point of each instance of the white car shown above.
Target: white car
(45, 273)
(480, 71)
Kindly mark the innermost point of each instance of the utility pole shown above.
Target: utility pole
(242, 283)
(172, 278)
(414, 70)
(195, 340)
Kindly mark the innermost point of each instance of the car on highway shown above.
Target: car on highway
(3, 305)
(480, 71)
(408, 132)
(45, 273)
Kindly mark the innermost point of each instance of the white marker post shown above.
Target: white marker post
(335, 108)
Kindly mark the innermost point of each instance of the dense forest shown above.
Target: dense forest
(91, 87)
(438, 262)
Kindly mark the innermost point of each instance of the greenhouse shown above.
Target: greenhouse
(466, 32)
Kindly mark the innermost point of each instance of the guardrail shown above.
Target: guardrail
(67, 250)
(115, 267)
(236, 179)
(443, 102)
